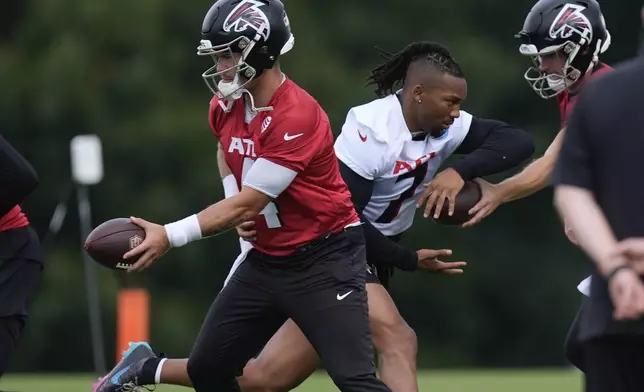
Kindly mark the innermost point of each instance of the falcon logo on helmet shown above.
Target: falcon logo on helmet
(572, 30)
(248, 14)
(571, 20)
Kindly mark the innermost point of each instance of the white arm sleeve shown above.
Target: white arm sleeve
(230, 186)
(358, 148)
(269, 178)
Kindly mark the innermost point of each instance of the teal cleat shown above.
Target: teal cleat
(125, 375)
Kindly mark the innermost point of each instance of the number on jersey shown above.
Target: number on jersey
(392, 210)
(270, 212)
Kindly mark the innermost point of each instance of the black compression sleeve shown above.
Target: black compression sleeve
(491, 146)
(381, 251)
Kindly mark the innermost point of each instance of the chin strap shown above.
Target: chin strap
(251, 100)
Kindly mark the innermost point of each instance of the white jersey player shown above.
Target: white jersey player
(376, 144)
(391, 149)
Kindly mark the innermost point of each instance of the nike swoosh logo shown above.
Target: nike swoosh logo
(115, 378)
(343, 296)
(363, 138)
(287, 137)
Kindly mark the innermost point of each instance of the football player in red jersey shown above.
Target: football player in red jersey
(308, 260)
(564, 39)
(21, 258)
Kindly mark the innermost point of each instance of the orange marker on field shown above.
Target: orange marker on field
(132, 318)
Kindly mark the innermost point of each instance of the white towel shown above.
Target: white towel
(245, 248)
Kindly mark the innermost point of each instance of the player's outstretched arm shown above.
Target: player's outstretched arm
(17, 177)
(533, 178)
(215, 219)
(264, 181)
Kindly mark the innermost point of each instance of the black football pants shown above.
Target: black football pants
(322, 289)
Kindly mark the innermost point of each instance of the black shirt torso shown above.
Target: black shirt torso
(603, 151)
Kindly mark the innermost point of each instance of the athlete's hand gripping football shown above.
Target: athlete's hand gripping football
(428, 261)
(444, 186)
(491, 199)
(154, 246)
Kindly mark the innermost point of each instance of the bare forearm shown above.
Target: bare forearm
(217, 218)
(223, 216)
(535, 176)
(532, 179)
(579, 209)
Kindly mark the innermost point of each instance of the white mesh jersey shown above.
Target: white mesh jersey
(376, 144)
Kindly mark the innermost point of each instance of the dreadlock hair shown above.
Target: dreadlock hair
(394, 70)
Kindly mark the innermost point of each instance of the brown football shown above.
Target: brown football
(465, 200)
(108, 242)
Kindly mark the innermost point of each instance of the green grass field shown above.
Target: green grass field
(438, 381)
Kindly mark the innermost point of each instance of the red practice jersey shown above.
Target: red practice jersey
(296, 135)
(567, 101)
(13, 219)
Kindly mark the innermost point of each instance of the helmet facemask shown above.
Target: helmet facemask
(576, 66)
(548, 85)
(244, 73)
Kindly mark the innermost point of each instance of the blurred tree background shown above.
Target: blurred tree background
(128, 71)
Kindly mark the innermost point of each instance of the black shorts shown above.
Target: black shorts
(21, 263)
(380, 274)
(321, 289)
